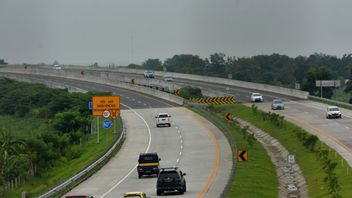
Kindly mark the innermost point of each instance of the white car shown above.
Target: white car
(148, 74)
(256, 97)
(168, 78)
(333, 112)
(163, 119)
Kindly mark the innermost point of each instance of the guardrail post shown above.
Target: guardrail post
(23, 195)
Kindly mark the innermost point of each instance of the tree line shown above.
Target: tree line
(274, 69)
(66, 116)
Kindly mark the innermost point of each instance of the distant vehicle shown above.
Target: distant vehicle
(168, 78)
(277, 104)
(256, 97)
(333, 112)
(148, 74)
(56, 65)
(171, 179)
(148, 164)
(79, 196)
(163, 119)
(135, 195)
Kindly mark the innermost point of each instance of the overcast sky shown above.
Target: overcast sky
(116, 31)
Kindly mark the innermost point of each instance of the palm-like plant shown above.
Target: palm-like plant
(9, 148)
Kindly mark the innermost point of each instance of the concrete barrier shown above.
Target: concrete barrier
(237, 83)
(108, 78)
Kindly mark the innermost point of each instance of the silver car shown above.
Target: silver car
(277, 104)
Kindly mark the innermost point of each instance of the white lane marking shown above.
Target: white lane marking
(180, 152)
(181, 146)
(178, 159)
(139, 102)
(347, 127)
(145, 104)
(133, 169)
(179, 131)
(176, 127)
(127, 97)
(181, 141)
(180, 136)
(314, 106)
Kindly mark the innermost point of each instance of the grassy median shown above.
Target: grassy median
(255, 178)
(308, 155)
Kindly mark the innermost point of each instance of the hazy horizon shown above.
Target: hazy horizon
(120, 32)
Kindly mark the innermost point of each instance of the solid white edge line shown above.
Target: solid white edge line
(149, 143)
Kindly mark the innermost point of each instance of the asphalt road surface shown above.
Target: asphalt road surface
(191, 143)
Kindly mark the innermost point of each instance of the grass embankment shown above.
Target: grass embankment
(64, 169)
(257, 176)
(308, 159)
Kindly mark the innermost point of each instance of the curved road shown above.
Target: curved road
(337, 133)
(191, 143)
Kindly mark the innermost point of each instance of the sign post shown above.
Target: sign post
(105, 106)
(103, 103)
(327, 83)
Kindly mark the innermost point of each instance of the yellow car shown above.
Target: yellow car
(135, 195)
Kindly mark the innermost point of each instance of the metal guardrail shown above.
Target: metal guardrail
(86, 170)
(331, 101)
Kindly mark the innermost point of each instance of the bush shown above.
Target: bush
(73, 152)
(191, 92)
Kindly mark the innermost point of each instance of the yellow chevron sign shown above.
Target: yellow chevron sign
(215, 100)
(228, 116)
(178, 92)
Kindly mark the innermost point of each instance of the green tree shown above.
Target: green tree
(152, 64)
(217, 64)
(309, 83)
(185, 63)
(69, 121)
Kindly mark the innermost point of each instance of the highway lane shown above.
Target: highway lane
(310, 115)
(128, 97)
(337, 133)
(191, 143)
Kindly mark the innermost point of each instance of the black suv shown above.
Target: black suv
(148, 164)
(171, 179)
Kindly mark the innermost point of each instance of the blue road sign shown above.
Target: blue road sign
(90, 105)
(107, 124)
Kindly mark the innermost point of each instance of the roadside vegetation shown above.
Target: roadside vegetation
(326, 172)
(45, 137)
(274, 69)
(256, 177)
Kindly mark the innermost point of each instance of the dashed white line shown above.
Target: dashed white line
(139, 102)
(181, 141)
(181, 146)
(180, 153)
(178, 159)
(133, 169)
(145, 104)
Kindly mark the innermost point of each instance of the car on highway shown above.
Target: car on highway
(333, 112)
(171, 179)
(148, 164)
(148, 74)
(135, 195)
(163, 119)
(277, 104)
(256, 97)
(168, 78)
